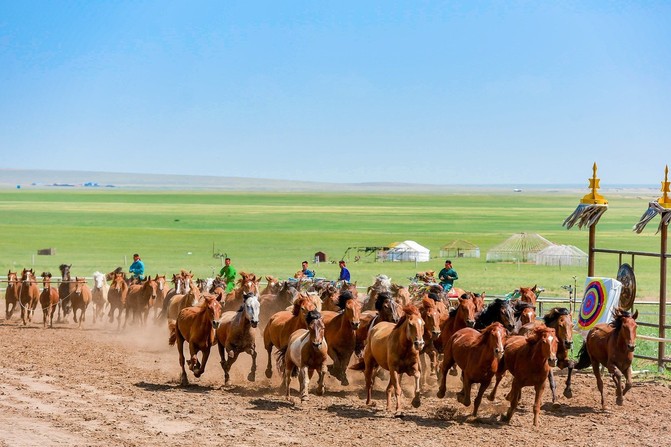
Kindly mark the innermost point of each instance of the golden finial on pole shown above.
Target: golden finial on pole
(665, 200)
(594, 198)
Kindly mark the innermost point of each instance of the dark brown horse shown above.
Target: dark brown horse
(478, 355)
(195, 325)
(81, 298)
(559, 319)
(11, 293)
(117, 296)
(237, 333)
(611, 345)
(271, 304)
(29, 295)
(48, 299)
(395, 348)
(341, 334)
(282, 325)
(500, 310)
(272, 286)
(529, 359)
(306, 352)
(140, 299)
(65, 291)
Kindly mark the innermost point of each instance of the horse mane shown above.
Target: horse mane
(453, 311)
(184, 273)
(408, 311)
(298, 303)
(381, 298)
(554, 314)
(537, 333)
(618, 316)
(343, 298)
(46, 274)
(488, 330)
(520, 306)
(428, 303)
(311, 316)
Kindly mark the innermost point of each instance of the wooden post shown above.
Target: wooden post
(590, 256)
(662, 297)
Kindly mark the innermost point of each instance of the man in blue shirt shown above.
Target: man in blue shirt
(344, 273)
(305, 272)
(137, 268)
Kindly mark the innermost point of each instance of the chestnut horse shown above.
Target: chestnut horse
(559, 319)
(237, 333)
(248, 283)
(48, 300)
(282, 325)
(99, 295)
(395, 348)
(195, 325)
(272, 286)
(459, 317)
(529, 295)
(386, 309)
(431, 316)
(161, 292)
(401, 294)
(611, 345)
(306, 352)
(80, 299)
(340, 334)
(529, 359)
(140, 298)
(271, 304)
(478, 355)
(11, 293)
(329, 297)
(29, 295)
(117, 296)
(524, 313)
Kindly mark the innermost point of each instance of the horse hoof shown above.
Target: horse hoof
(251, 377)
(416, 402)
(453, 372)
(619, 401)
(304, 398)
(568, 393)
(441, 393)
(320, 391)
(344, 382)
(269, 373)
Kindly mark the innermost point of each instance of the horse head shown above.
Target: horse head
(302, 305)
(431, 317)
(119, 281)
(528, 294)
(252, 308)
(496, 336)
(547, 337)
(46, 279)
(27, 277)
(213, 309)
(506, 314)
(316, 328)
(65, 270)
(98, 280)
(625, 326)
(79, 284)
(160, 282)
(559, 318)
(466, 310)
(387, 308)
(351, 307)
(150, 286)
(413, 326)
(12, 279)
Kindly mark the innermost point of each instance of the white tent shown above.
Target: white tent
(561, 255)
(407, 251)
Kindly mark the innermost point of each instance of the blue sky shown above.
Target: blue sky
(513, 92)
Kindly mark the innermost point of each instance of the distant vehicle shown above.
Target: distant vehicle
(517, 190)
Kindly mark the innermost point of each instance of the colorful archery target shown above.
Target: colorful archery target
(601, 295)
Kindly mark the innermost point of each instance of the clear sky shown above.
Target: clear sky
(514, 92)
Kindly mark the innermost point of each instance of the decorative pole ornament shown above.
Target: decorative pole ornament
(661, 206)
(591, 207)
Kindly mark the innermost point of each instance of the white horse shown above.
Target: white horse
(99, 295)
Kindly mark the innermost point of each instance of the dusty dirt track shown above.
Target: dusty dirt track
(97, 386)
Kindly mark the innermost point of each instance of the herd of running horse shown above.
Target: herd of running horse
(312, 323)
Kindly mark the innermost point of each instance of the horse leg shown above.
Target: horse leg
(304, 379)
(343, 368)
(369, 374)
(391, 388)
(289, 366)
(200, 367)
(492, 395)
(481, 391)
(616, 374)
(596, 369)
(252, 372)
(537, 401)
(180, 348)
(515, 392)
(464, 396)
(628, 384)
(232, 357)
(416, 401)
(223, 362)
(568, 393)
(269, 367)
(553, 386)
(320, 380)
(442, 376)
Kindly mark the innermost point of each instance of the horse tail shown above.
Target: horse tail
(172, 326)
(584, 359)
(280, 356)
(359, 366)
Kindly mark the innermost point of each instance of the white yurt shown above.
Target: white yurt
(407, 251)
(520, 247)
(561, 255)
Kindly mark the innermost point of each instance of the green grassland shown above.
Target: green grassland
(270, 234)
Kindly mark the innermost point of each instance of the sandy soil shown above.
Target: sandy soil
(96, 386)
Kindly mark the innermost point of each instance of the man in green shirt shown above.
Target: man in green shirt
(447, 276)
(228, 273)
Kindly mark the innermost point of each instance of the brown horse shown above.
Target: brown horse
(459, 317)
(247, 284)
(395, 348)
(140, 298)
(341, 334)
(431, 316)
(272, 286)
(529, 359)
(237, 333)
(307, 353)
(524, 313)
(386, 309)
(529, 295)
(29, 295)
(271, 304)
(478, 355)
(161, 292)
(382, 284)
(11, 293)
(65, 291)
(80, 300)
(282, 325)
(117, 296)
(329, 297)
(611, 345)
(197, 326)
(401, 294)
(559, 319)
(48, 299)
(498, 310)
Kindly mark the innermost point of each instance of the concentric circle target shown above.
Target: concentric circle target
(593, 304)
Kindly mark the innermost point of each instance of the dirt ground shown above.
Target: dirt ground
(97, 386)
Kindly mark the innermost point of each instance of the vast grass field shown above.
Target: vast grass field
(270, 234)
